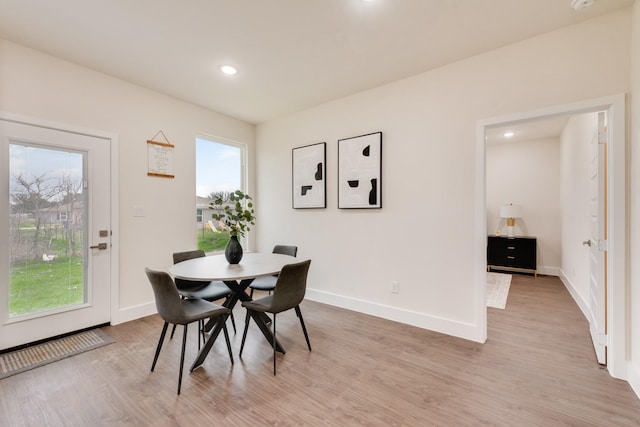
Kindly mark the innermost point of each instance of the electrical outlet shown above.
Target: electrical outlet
(395, 288)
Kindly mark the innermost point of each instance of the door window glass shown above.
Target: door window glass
(46, 229)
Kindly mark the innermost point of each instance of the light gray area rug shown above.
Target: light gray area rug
(498, 289)
(31, 357)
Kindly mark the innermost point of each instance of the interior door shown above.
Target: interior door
(55, 210)
(598, 240)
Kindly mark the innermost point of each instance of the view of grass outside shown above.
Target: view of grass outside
(38, 285)
(212, 241)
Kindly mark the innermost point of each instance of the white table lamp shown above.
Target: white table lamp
(511, 212)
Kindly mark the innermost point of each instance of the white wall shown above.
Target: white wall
(527, 173)
(576, 137)
(634, 204)
(40, 86)
(423, 236)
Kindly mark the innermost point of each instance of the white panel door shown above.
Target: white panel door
(55, 210)
(598, 240)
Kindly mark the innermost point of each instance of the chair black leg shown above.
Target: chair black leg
(201, 333)
(226, 337)
(233, 322)
(274, 344)
(306, 336)
(184, 345)
(244, 334)
(159, 347)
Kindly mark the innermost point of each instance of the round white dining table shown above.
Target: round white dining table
(216, 267)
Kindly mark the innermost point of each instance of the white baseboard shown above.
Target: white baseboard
(549, 271)
(132, 313)
(438, 324)
(633, 374)
(584, 305)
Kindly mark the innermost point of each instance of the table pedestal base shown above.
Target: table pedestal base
(214, 326)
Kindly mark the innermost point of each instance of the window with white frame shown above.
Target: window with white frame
(220, 170)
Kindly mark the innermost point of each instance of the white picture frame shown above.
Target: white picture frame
(360, 172)
(309, 176)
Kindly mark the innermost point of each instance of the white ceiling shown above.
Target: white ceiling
(291, 54)
(527, 131)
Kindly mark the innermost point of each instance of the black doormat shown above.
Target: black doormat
(28, 358)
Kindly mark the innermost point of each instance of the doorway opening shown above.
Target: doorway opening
(614, 305)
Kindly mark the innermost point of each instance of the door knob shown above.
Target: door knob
(101, 246)
(587, 242)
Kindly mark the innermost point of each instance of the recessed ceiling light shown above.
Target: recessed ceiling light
(508, 134)
(228, 69)
(581, 4)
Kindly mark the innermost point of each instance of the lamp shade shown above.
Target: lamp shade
(510, 211)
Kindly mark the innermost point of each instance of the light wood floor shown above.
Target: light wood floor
(537, 369)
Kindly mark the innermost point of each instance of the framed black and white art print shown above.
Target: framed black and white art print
(309, 176)
(360, 172)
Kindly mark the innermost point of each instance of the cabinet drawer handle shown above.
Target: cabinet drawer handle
(511, 257)
(511, 247)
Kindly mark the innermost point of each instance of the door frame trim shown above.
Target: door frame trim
(114, 199)
(615, 105)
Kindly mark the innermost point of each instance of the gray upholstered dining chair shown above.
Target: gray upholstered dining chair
(268, 283)
(289, 292)
(208, 291)
(179, 311)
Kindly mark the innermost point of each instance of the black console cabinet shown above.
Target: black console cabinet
(512, 253)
